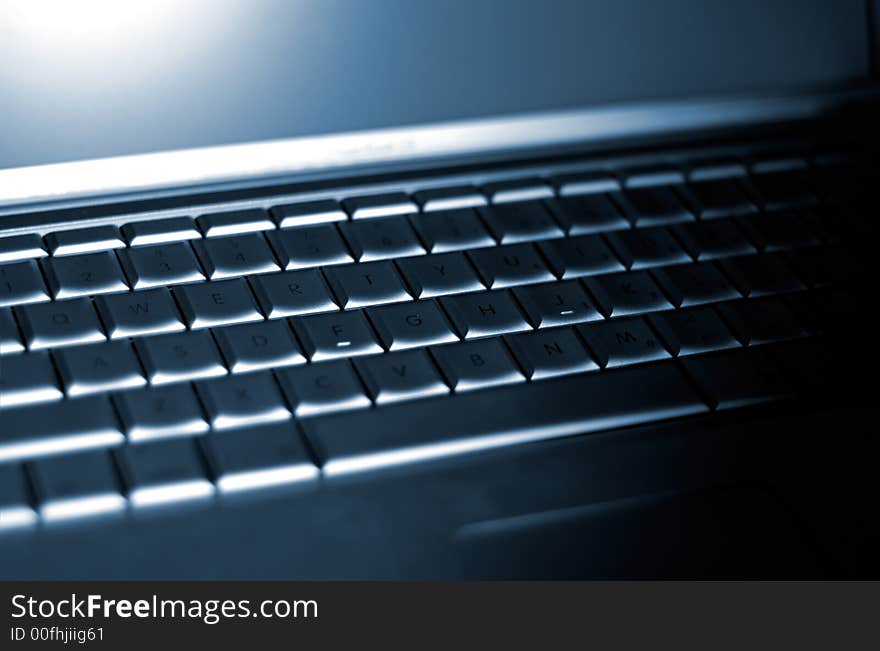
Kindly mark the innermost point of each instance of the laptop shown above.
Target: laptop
(460, 290)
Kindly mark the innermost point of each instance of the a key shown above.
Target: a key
(440, 274)
(380, 239)
(632, 292)
(239, 401)
(380, 205)
(693, 331)
(471, 365)
(76, 486)
(720, 238)
(778, 231)
(15, 507)
(229, 257)
(235, 222)
(556, 304)
(518, 190)
(549, 353)
(292, 293)
(520, 222)
(84, 240)
(308, 213)
(161, 264)
(400, 376)
(693, 284)
(84, 275)
(314, 246)
(622, 341)
(165, 472)
(452, 230)
(584, 255)
(761, 321)
(160, 231)
(21, 247)
(411, 325)
(27, 379)
(514, 264)
(322, 388)
(581, 183)
(132, 314)
(717, 198)
(21, 283)
(99, 368)
(759, 275)
(160, 412)
(657, 206)
(10, 340)
(223, 302)
(179, 357)
(451, 198)
(737, 378)
(329, 336)
(484, 314)
(366, 283)
(784, 189)
(647, 247)
(266, 456)
(588, 214)
(256, 346)
(47, 325)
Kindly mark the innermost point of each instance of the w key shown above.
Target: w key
(131, 314)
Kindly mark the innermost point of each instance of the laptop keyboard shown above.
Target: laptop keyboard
(173, 359)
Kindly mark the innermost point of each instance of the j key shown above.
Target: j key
(737, 378)
(588, 214)
(452, 230)
(27, 379)
(291, 293)
(99, 368)
(473, 365)
(693, 284)
(761, 321)
(518, 190)
(48, 325)
(218, 303)
(514, 264)
(622, 341)
(380, 239)
(462, 196)
(255, 346)
(84, 275)
(21, 247)
(132, 314)
(160, 231)
(310, 247)
(237, 401)
(621, 294)
(236, 222)
(647, 247)
(160, 265)
(308, 213)
(179, 357)
(160, 412)
(10, 341)
(164, 472)
(716, 239)
(84, 240)
(777, 231)
(719, 198)
(584, 255)
(653, 207)
(76, 486)
(758, 275)
(330, 336)
(485, 314)
(520, 222)
(15, 503)
(380, 205)
(440, 274)
(366, 283)
(21, 283)
(549, 353)
(269, 455)
(401, 376)
(228, 257)
(693, 331)
(410, 325)
(555, 304)
(782, 190)
(322, 388)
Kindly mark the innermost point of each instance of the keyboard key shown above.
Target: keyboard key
(779, 190)
(588, 214)
(380, 239)
(651, 175)
(21, 283)
(514, 264)
(658, 206)
(484, 314)
(237, 401)
(322, 388)
(84, 275)
(310, 247)
(556, 304)
(693, 284)
(21, 247)
(179, 357)
(160, 412)
(366, 283)
(99, 368)
(160, 231)
(269, 455)
(380, 205)
(84, 240)
(70, 425)
(520, 222)
(236, 222)
(716, 239)
(411, 325)
(15, 506)
(308, 213)
(462, 196)
(133, 314)
(164, 472)
(474, 365)
(160, 265)
(761, 321)
(584, 255)
(452, 230)
(718, 198)
(224, 302)
(27, 379)
(759, 275)
(647, 247)
(621, 294)
(586, 183)
(737, 378)
(693, 331)
(778, 231)
(10, 340)
(291, 293)
(256, 346)
(549, 353)
(76, 486)
(622, 341)
(47, 325)
(518, 190)
(440, 274)
(229, 257)
(330, 336)
(400, 376)
(714, 169)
